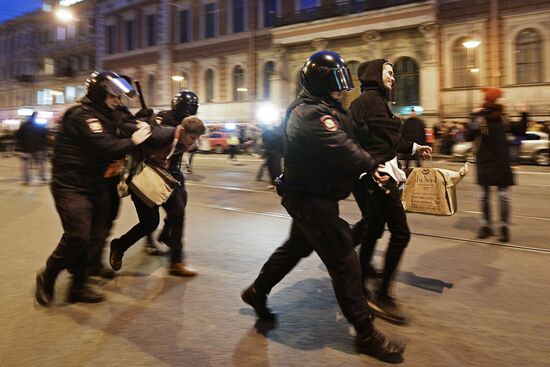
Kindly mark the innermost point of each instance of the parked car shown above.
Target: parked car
(534, 147)
(217, 141)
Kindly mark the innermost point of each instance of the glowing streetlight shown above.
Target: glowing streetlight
(471, 43)
(64, 15)
(177, 78)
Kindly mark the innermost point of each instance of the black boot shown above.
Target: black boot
(80, 292)
(377, 345)
(115, 256)
(258, 303)
(504, 234)
(385, 307)
(45, 287)
(102, 271)
(484, 232)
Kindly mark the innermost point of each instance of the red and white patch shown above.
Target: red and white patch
(94, 125)
(328, 123)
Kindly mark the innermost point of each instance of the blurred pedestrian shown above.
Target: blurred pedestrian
(322, 161)
(414, 130)
(85, 146)
(493, 162)
(233, 142)
(379, 198)
(273, 150)
(32, 138)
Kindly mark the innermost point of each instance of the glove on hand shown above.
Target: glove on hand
(141, 135)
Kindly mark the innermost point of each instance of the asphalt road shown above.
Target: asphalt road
(471, 303)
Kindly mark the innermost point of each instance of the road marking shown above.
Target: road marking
(286, 216)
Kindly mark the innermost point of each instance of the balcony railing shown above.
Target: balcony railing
(343, 8)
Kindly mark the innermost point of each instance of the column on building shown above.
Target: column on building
(165, 54)
(280, 82)
(429, 71)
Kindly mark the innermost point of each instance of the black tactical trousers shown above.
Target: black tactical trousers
(382, 209)
(84, 217)
(149, 218)
(316, 226)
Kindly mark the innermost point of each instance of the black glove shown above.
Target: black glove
(145, 114)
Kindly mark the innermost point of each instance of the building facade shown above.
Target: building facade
(242, 57)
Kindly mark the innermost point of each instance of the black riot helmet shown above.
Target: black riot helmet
(99, 84)
(184, 104)
(325, 72)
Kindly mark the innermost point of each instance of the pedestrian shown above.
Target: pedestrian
(32, 138)
(321, 162)
(273, 150)
(233, 142)
(85, 146)
(414, 130)
(184, 136)
(493, 162)
(379, 132)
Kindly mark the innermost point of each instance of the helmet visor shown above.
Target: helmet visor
(341, 80)
(118, 86)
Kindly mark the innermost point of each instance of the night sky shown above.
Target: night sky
(12, 8)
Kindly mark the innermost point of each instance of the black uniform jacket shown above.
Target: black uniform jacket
(378, 129)
(85, 144)
(321, 155)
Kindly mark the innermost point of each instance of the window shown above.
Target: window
(269, 69)
(270, 12)
(209, 84)
(210, 20)
(70, 93)
(528, 57)
(184, 26)
(239, 87)
(61, 34)
(464, 61)
(407, 82)
(238, 16)
(48, 66)
(130, 28)
(151, 30)
(307, 4)
(110, 36)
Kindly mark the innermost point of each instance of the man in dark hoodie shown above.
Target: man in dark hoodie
(379, 133)
(321, 162)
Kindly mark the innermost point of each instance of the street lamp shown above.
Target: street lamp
(470, 44)
(64, 15)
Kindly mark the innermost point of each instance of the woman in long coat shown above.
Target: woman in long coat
(493, 161)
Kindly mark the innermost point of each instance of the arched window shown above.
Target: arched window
(151, 88)
(269, 69)
(465, 65)
(239, 86)
(209, 85)
(406, 82)
(528, 57)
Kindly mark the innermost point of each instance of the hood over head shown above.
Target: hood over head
(370, 74)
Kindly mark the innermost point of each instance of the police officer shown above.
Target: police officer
(321, 162)
(184, 104)
(85, 146)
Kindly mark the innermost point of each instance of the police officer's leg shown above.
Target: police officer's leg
(148, 222)
(75, 211)
(111, 204)
(279, 264)
(330, 236)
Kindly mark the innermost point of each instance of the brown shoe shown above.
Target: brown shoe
(182, 270)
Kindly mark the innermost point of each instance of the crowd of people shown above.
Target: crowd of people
(319, 155)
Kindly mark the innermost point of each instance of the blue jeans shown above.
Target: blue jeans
(504, 205)
(34, 159)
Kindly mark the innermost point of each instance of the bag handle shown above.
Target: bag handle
(177, 134)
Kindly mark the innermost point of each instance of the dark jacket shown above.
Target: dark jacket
(167, 118)
(86, 143)
(378, 129)
(31, 136)
(273, 141)
(493, 157)
(321, 156)
(414, 130)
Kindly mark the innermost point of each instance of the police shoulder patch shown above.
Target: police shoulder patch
(328, 123)
(159, 120)
(95, 125)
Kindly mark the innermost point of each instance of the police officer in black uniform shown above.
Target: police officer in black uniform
(86, 144)
(321, 162)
